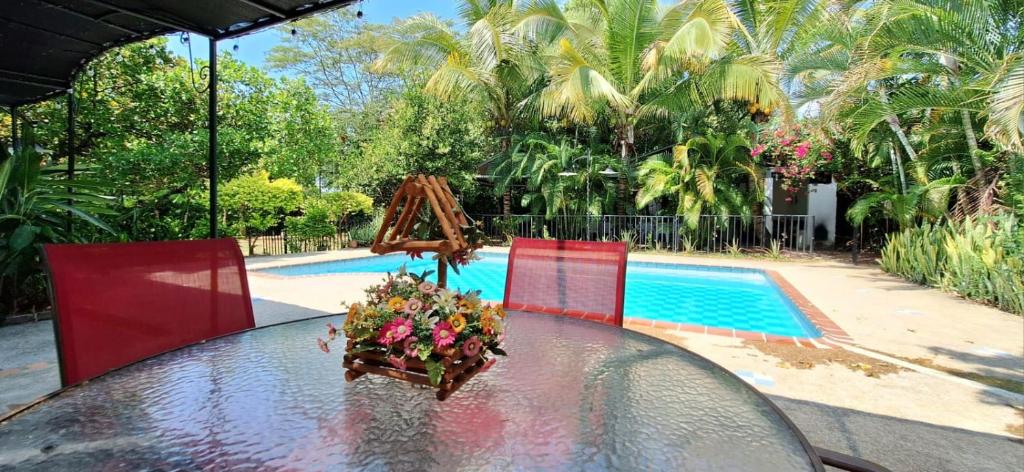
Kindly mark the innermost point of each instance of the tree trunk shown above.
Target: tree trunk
(626, 134)
(972, 142)
(897, 163)
(894, 125)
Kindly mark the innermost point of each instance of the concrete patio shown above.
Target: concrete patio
(874, 398)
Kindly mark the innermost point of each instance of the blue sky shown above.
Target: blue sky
(252, 48)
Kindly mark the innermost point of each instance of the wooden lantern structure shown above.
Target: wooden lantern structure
(394, 235)
(402, 215)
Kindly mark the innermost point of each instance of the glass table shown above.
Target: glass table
(571, 395)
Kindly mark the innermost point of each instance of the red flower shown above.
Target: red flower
(414, 254)
(398, 362)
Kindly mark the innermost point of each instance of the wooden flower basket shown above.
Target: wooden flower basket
(458, 369)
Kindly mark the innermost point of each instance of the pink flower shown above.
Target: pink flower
(331, 330)
(323, 345)
(444, 335)
(757, 150)
(427, 287)
(401, 328)
(779, 133)
(801, 150)
(412, 306)
(398, 362)
(409, 346)
(786, 142)
(386, 337)
(827, 155)
(471, 346)
(487, 365)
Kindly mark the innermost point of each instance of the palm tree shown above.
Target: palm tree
(489, 62)
(560, 177)
(930, 61)
(704, 176)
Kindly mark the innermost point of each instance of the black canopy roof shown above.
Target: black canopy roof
(44, 43)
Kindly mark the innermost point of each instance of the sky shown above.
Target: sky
(253, 48)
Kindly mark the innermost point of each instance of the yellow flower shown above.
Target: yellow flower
(467, 305)
(500, 311)
(487, 324)
(354, 313)
(458, 322)
(396, 303)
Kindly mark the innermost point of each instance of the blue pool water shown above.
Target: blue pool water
(743, 299)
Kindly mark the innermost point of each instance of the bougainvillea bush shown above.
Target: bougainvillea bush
(410, 317)
(796, 153)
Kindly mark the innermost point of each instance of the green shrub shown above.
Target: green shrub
(978, 259)
(341, 206)
(308, 232)
(366, 232)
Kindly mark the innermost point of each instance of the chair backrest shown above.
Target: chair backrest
(574, 278)
(119, 303)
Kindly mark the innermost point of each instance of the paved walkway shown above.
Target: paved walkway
(907, 419)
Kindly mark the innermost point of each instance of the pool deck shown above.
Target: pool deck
(909, 417)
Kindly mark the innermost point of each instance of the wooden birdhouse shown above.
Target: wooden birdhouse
(405, 221)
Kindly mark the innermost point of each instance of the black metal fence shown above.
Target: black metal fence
(711, 233)
(280, 243)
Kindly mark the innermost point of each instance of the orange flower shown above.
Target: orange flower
(396, 303)
(458, 322)
(500, 311)
(487, 324)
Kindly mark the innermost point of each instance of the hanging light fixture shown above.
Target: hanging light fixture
(359, 12)
(608, 171)
(295, 32)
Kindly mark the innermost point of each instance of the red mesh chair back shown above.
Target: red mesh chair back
(574, 278)
(120, 303)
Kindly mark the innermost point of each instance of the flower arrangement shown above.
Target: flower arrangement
(409, 321)
(796, 153)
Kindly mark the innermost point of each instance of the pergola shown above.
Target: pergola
(46, 43)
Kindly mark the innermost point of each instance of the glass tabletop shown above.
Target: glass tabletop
(571, 395)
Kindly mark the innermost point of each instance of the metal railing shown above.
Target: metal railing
(272, 244)
(711, 233)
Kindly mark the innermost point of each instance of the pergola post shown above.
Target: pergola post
(71, 149)
(15, 142)
(212, 127)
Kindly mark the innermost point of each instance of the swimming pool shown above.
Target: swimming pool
(718, 297)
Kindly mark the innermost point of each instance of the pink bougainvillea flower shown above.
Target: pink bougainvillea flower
(409, 346)
(802, 148)
(401, 328)
(757, 150)
(487, 365)
(786, 142)
(444, 334)
(427, 287)
(471, 346)
(396, 361)
(412, 306)
(323, 345)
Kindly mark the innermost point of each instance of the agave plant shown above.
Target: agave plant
(37, 207)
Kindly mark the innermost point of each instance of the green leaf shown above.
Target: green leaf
(435, 370)
(424, 354)
(23, 237)
(498, 351)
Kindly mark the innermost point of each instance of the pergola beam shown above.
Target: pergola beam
(53, 81)
(49, 32)
(266, 8)
(89, 18)
(151, 19)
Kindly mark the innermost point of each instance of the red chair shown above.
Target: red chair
(573, 278)
(116, 304)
